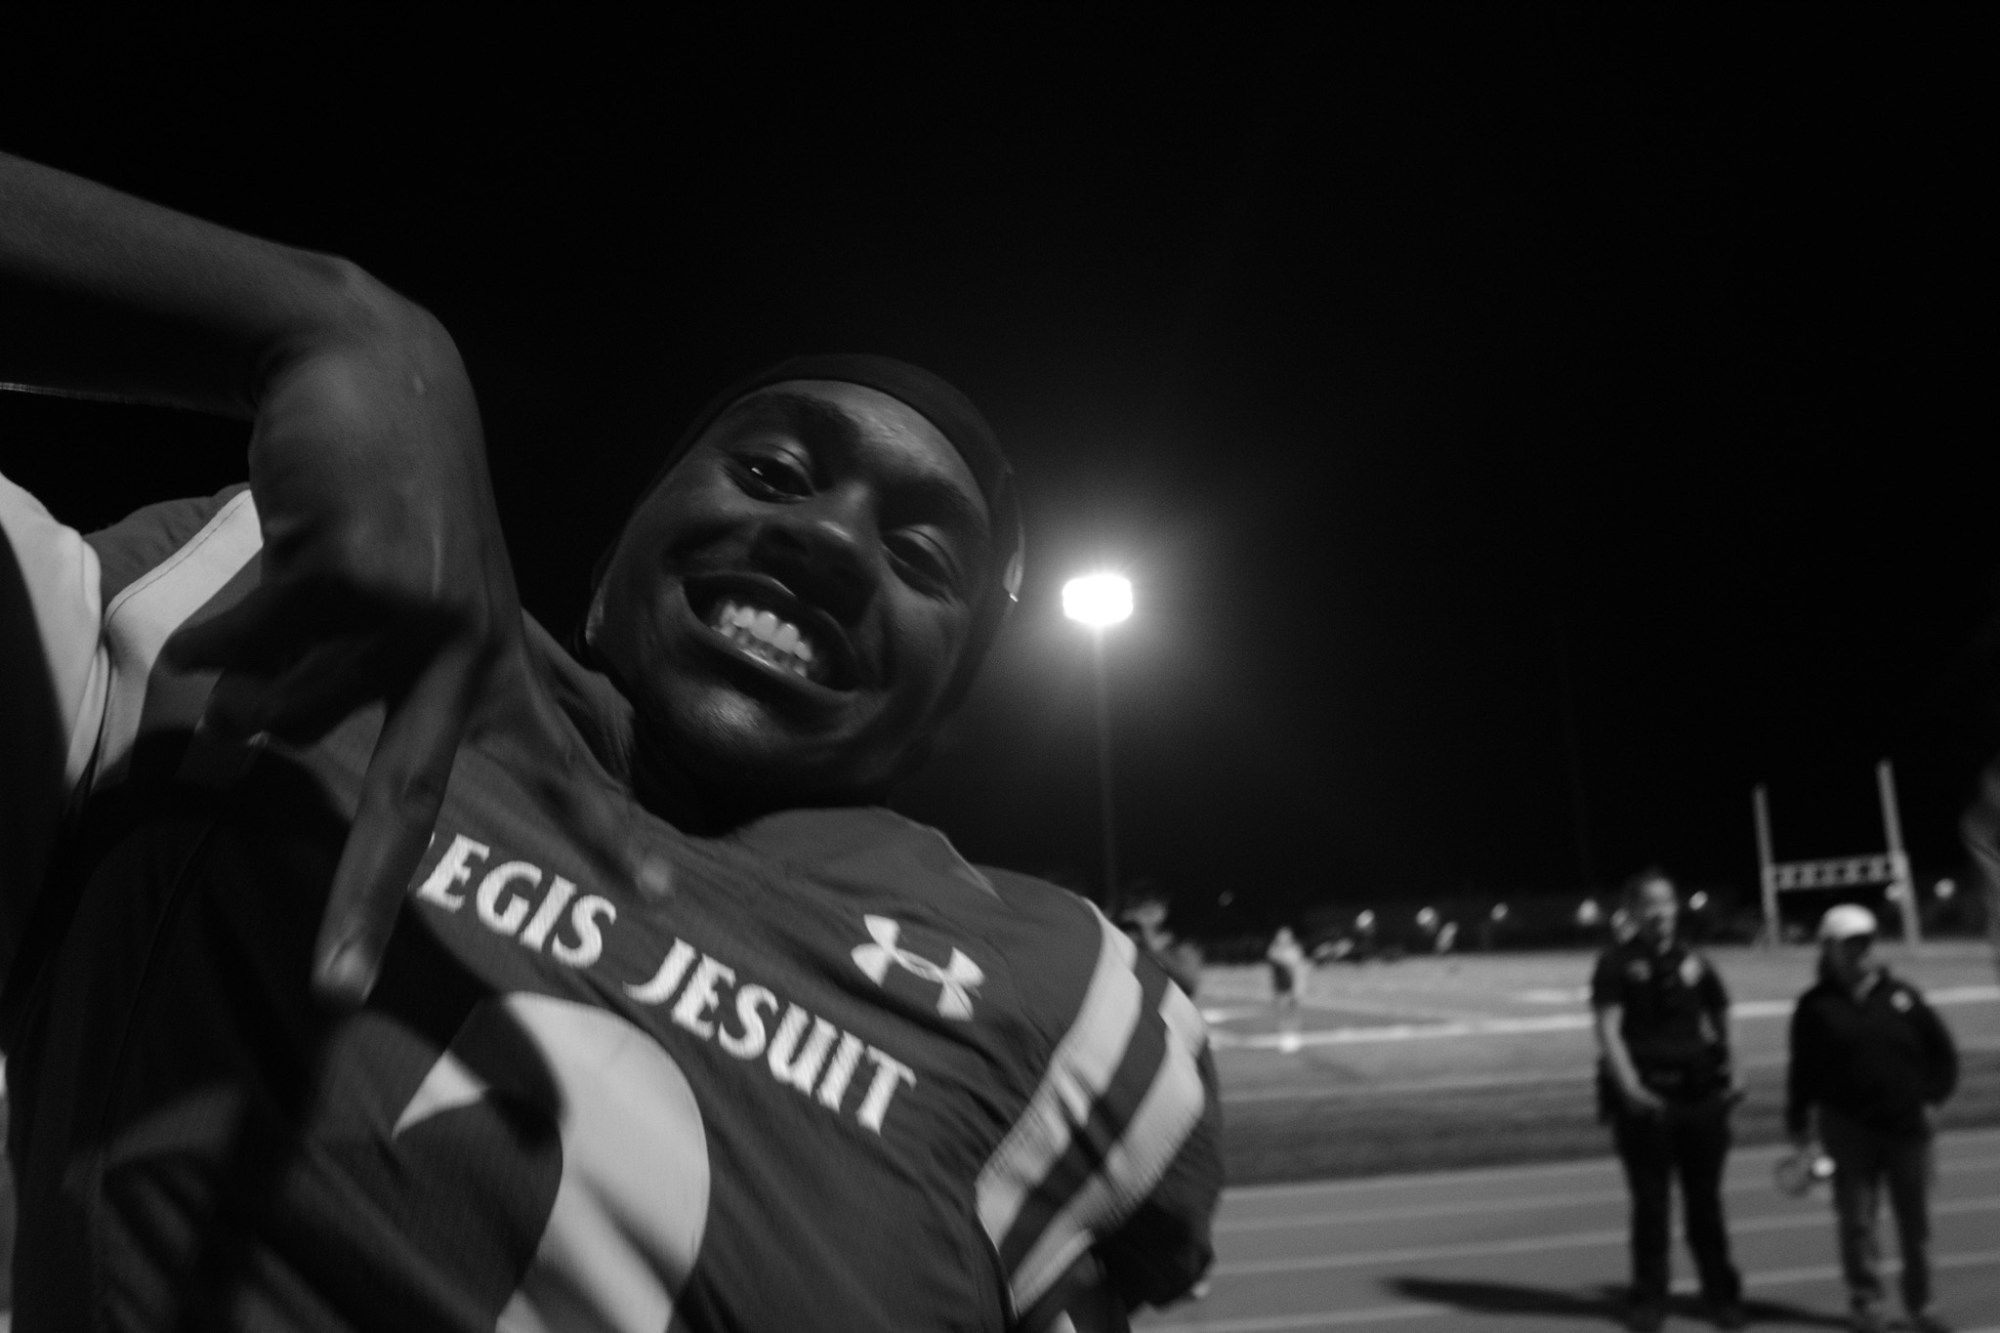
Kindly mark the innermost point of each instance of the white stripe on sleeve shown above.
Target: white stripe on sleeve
(142, 616)
(1133, 1166)
(61, 572)
(1080, 1069)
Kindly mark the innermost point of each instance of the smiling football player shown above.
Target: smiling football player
(373, 962)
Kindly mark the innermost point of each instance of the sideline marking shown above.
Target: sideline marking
(1748, 1182)
(1386, 1314)
(1575, 1166)
(1565, 1080)
(1815, 1219)
(1480, 1027)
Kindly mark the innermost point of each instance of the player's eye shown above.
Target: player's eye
(772, 474)
(924, 561)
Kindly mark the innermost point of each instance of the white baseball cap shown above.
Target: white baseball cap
(1845, 922)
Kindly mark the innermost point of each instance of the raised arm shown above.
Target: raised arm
(384, 576)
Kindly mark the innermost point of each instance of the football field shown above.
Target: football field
(1430, 1157)
(1540, 1249)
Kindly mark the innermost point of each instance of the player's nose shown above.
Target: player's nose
(821, 550)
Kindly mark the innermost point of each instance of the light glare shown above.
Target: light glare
(1098, 599)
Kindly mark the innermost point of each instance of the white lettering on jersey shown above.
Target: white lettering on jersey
(452, 869)
(890, 1073)
(668, 979)
(589, 946)
(700, 997)
(796, 1065)
(498, 908)
(801, 1049)
(538, 930)
(502, 904)
(751, 1001)
(834, 1086)
(806, 1051)
(956, 980)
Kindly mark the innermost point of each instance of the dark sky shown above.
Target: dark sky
(1526, 428)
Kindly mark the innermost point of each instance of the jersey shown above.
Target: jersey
(1675, 1015)
(1878, 1058)
(834, 1077)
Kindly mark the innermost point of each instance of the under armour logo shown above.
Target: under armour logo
(957, 980)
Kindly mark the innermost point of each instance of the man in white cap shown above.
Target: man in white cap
(1876, 1062)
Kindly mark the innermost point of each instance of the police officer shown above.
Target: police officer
(1875, 1061)
(1666, 1084)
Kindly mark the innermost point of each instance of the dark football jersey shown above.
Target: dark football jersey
(831, 1077)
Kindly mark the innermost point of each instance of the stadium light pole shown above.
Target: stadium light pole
(1100, 601)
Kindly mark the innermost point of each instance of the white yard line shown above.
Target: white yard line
(1814, 1219)
(1746, 1179)
(1565, 1079)
(1951, 1143)
(1567, 1022)
(1409, 1310)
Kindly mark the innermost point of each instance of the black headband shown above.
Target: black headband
(961, 425)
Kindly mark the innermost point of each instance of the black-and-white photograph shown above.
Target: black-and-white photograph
(1051, 670)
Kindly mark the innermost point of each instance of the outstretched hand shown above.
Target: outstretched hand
(385, 578)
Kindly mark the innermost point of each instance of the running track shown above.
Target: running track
(1541, 1249)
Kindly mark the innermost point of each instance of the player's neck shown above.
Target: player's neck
(709, 805)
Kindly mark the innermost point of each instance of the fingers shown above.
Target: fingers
(400, 797)
(259, 634)
(324, 686)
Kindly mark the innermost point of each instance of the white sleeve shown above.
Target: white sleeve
(61, 573)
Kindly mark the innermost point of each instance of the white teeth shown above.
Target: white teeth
(776, 642)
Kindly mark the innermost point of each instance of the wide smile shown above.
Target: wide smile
(759, 620)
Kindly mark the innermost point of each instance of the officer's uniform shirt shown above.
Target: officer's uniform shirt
(1675, 1015)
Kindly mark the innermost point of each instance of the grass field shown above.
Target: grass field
(1432, 1063)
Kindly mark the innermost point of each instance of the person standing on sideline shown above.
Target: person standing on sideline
(1875, 1061)
(1288, 965)
(1144, 920)
(1666, 1085)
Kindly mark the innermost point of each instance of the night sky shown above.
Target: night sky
(1525, 428)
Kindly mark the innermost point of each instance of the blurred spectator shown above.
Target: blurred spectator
(1288, 967)
(1875, 1061)
(1144, 918)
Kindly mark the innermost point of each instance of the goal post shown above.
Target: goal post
(1889, 867)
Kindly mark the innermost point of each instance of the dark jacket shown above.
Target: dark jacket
(1675, 1020)
(1877, 1060)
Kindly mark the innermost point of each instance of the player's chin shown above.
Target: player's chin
(748, 739)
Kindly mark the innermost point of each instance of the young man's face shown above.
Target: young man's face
(788, 606)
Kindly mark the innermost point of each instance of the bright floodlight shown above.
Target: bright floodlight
(1098, 600)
